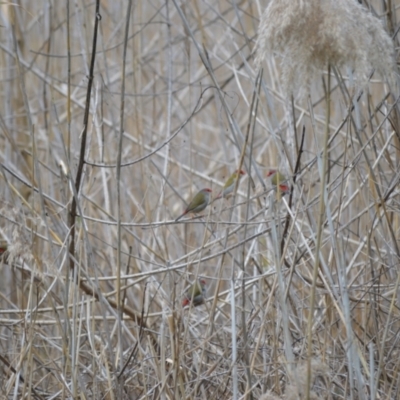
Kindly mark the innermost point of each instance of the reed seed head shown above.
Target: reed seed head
(312, 34)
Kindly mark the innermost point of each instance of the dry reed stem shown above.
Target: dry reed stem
(188, 123)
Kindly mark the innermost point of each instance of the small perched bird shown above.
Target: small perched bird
(230, 184)
(196, 292)
(198, 203)
(279, 179)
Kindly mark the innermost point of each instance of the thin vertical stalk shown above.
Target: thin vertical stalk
(251, 128)
(68, 82)
(169, 101)
(233, 339)
(321, 214)
(118, 181)
(288, 341)
(81, 161)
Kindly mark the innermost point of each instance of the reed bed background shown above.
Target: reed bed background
(302, 298)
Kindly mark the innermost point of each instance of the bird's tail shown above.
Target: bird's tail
(217, 198)
(180, 216)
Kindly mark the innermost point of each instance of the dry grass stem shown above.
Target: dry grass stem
(101, 151)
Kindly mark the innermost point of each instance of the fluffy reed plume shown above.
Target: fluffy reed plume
(269, 396)
(310, 34)
(296, 389)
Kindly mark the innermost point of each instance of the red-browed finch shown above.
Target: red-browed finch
(196, 292)
(230, 184)
(278, 179)
(198, 203)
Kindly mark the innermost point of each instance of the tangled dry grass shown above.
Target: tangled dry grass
(303, 291)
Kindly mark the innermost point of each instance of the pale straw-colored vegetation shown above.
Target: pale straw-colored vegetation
(302, 291)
